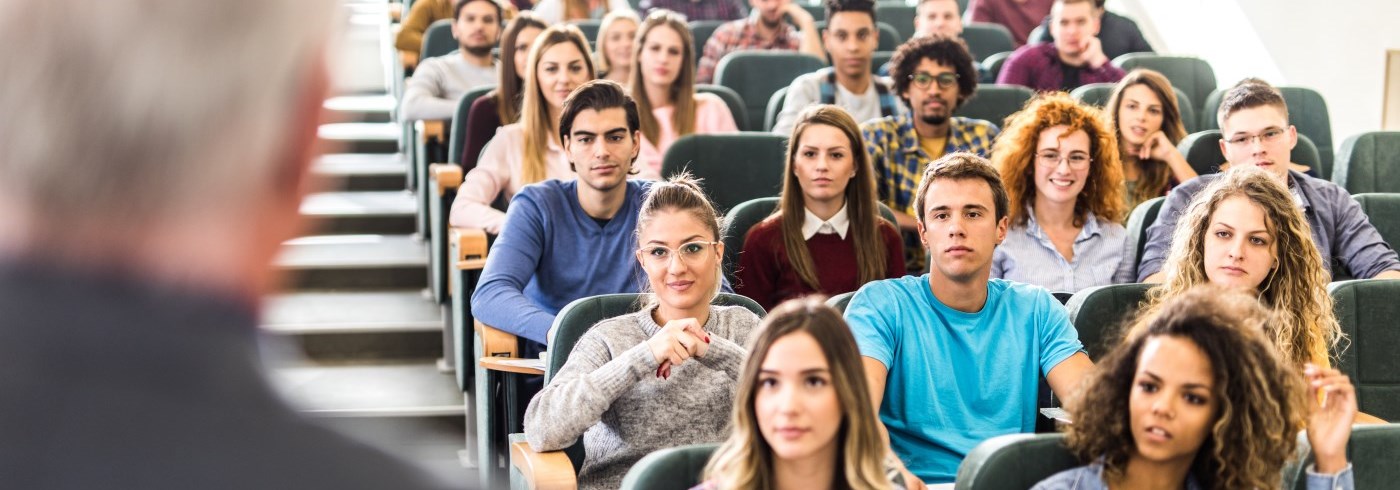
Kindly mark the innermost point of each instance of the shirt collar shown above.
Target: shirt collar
(1091, 226)
(812, 225)
(1295, 185)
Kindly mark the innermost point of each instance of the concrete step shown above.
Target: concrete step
(361, 137)
(363, 171)
(361, 212)
(359, 262)
(405, 389)
(339, 326)
(369, 108)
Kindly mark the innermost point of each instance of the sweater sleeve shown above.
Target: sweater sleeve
(482, 124)
(725, 354)
(472, 208)
(1159, 235)
(423, 97)
(583, 390)
(499, 300)
(410, 36)
(894, 246)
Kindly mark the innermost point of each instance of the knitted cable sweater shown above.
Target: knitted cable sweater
(609, 394)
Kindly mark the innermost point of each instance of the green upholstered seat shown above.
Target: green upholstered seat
(994, 103)
(755, 75)
(1099, 313)
(1383, 210)
(1202, 151)
(743, 217)
(879, 59)
(701, 30)
(1097, 94)
(1142, 217)
(1367, 310)
(840, 301)
(1191, 75)
(986, 39)
(1372, 450)
(457, 140)
(589, 27)
(899, 15)
(1369, 162)
(1307, 111)
(731, 99)
(991, 66)
(1015, 461)
(733, 167)
(775, 106)
(437, 40)
(678, 468)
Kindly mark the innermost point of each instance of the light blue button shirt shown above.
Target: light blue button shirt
(1100, 256)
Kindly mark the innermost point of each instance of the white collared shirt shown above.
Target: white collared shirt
(813, 225)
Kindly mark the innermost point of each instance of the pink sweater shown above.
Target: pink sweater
(711, 116)
(499, 172)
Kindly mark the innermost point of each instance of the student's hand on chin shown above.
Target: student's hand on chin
(1157, 147)
(1332, 409)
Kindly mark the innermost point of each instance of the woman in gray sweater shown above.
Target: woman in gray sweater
(664, 376)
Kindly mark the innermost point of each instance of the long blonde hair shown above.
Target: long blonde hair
(534, 109)
(1296, 288)
(682, 89)
(600, 58)
(745, 460)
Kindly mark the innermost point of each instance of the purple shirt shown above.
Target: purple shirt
(1038, 67)
(699, 9)
(1019, 16)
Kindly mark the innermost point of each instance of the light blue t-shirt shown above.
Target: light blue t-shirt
(956, 379)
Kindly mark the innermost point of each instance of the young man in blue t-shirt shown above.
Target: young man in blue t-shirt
(953, 357)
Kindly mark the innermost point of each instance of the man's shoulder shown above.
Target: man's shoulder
(549, 194)
(727, 31)
(900, 292)
(1325, 189)
(888, 125)
(967, 124)
(1032, 52)
(1187, 190)
(810, 81)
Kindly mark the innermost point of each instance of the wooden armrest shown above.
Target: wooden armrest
(448, 175)
(434, 130)
(550, 470)
(503, 364)
(496, 343)
(471, 247)
(409, 59)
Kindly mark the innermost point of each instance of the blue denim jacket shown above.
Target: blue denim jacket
(1090, 477)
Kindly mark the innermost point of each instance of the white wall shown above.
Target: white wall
(1336, 47)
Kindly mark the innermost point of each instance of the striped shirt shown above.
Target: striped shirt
(1100, 256)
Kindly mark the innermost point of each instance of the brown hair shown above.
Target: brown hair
(682, 192)
(861, 206)
(1261, 395)
(682, 90)
(508, 88)
(745, 460)
(1248, 94)
(962, 166)
(1014, 153)
(534, 110)
(1153, 175)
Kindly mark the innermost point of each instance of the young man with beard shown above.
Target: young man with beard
(933, 76)
(764, 29)
(436, 85)
(851, 37)
(1076, 58)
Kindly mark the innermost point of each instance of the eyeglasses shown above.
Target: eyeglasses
(923, 79)
(1266, 137)
(1050, 159)
(689, 253)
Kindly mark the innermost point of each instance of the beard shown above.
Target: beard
(771, 24)
(934, 119)
(484, 50)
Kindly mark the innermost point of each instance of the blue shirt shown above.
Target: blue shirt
(955, 379)
(550, 252)
(1090, 477)
(1027, 255)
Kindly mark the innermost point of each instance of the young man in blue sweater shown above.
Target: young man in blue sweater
(568, 240)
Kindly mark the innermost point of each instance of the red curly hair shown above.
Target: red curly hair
(1014, 156)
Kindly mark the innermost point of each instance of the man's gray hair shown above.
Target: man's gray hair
(117, 113)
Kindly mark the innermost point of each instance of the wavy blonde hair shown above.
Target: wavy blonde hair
(1296, 289)
(1014, 155)
(534, 109)
(745, 460)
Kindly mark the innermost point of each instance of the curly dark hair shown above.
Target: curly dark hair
(1260, 394)
(948, 51)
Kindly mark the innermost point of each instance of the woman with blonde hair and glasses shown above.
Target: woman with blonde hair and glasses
(663, 376)
(803, 416)
(615, 41)
(827, 215)
(1065, 186)
(528, 151)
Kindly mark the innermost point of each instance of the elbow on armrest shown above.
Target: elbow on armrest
(550, 470)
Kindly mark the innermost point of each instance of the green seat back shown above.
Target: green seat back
(458, 139)
(1097, 94)
(991, 66)
(1307, 111)
(1202, 151)
(840, 301)
(994, 103)
(701, 30)
(755, 75)
(1191, 75)
(879, 59)
(1142, 217)
(734, 167)
(986, 39)
(743, 217)
(1383, 210)
(1367, 310)
(775, 106)
(817, 10)
(437, 40)
(898, 15)
(1099, 313)
(678, 468)
(1014, 461)
(1369, 162)
(589, 27)
(1372, 450)
(731, 99)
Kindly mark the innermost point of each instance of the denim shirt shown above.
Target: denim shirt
(1027, 255)
(1090, 477)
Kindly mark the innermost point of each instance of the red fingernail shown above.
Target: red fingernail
(707, 339)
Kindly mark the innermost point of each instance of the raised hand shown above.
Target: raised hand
(1332, 409)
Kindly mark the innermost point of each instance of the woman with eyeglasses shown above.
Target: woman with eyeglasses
(1060, 166)
(661, 377)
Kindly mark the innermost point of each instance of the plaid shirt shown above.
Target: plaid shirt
(739, 35)
(699, 9)
(899, 162)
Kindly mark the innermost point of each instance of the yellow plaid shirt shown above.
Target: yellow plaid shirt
(894, 151)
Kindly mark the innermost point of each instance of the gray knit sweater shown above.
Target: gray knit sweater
(608, 393)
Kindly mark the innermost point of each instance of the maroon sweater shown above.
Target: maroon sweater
(482, 122)
(766, 276)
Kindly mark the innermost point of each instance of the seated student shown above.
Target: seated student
(660, 377)
(566, 240)
(528, 151)
(764, 28)
(1018, 16)
(851, 37)
(1254, 121)
(664, 72)
(1147, 124)
(827, 207)
(1199, 398)
(1060, 166)
(802, 414)
(437, 83)
(953, 356)
(422, 14)
(1118, 35)
(614, 55)
(1075, 58)
(557, 11)
(488, 113)
(694, 10)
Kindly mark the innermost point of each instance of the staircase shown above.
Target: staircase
(355, 340)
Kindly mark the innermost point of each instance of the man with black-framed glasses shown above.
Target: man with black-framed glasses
(1254, 126)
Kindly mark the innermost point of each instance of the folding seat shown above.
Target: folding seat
(1307, 111)
(991, 66)
(840, 301)
(755, 75)
(1191, 75)
(775, 107)
(678, 468)
(731, 99)
(1372, 450)
(994, 103)
(1099, 313)
(986, 39)
(898, 15)
(879, 59)
(1367, 310)
(1014, 461)
(743, 217)
(1383, 210)
(1142, 218)
(701, 30)
(733, 168)
(1369, 162)
(438, 40)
